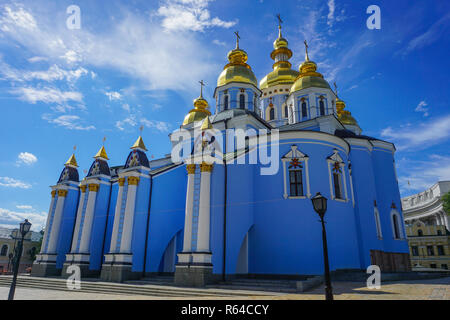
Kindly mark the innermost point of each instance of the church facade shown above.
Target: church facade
(204, 218)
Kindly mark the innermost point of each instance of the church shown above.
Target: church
(206, 218)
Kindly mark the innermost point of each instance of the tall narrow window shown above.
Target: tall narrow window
(295, 182)
(225, 103)
(4, 251)
(286, 111)
(322, 108)
(377, 223)
(337, 185)
(304, 110)
(272, 113)
(396, 226)
(420, 233)
(241, 101)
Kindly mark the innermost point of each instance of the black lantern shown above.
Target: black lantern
(319, 204)
(24, 229)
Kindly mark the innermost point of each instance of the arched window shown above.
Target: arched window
(225, 103)
(286, 115)
(337, 185)
(295, 182)
(322, 108)
(396, 225)
(378, 224)
(272, 113)
(4, 251)
(420, 233)
(304, 110)
(439, 233)
(241, 101)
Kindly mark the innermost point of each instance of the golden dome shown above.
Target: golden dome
(308, 77)
(199, 112)
(344, 116)
(237, 70)
(282, 72)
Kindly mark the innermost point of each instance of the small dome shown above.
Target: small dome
(281, 75)
(347, 118)
(199, 112)
(237, 70)
(280, 43)
(309, 77)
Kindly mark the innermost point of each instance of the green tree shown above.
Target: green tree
(446, 202)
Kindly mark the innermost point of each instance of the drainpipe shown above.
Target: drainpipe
(225, 209)
(148, 225)
(106, 227)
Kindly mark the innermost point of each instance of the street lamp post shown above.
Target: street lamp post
(24, 229)
(320, 206)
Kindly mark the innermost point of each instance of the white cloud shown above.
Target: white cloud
(193, 15)
(26, 158)
(47, 95)
(37, 59)
(421, 107)
(50, 75)
(70, 122)
(420, 175)
(219, 43)
(431, 35)
(24, 207)
(419, 136)
(17, 18)
(132, 121)
(113, 95)
(126, 107)
(12, 219)
(331, 8)
(13, 183)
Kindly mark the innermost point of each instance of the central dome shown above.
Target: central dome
(237, 70)
(309, 77)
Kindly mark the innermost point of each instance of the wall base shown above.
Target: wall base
(45, 269)
(85, 272)
(118, 273)
(194, 275)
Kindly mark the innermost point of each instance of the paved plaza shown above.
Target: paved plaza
(431, 289)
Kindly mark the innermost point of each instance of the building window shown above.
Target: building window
(439, 233)
(322, 107)
(304, 110)
(271, 113)
(295, 182)
(396, 225)
(433, 265)
(430, 251)
(295, 173)
(440, 250)
(444, 266)
(286, 115)
(420, 233)
(225, 103)
(336, 171)
(241, 101)
(4, 251)
(378, 224)
(337, 185)
(415, 251)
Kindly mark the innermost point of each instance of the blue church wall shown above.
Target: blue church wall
(233, 94)
(280, 242)
(166, 217)
(388, 193)
(365, 195)
(140, 223)
(110, 222)
(67, 226)
(98, 226)
(239, 213)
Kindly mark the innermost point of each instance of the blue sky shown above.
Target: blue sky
(136, 63)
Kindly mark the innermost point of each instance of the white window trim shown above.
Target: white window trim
(295, 153)
(335, 157)
(245, 100)
(300, 113)
(378, 223)
(399, 220)
(275, 113)
(223, 101)
(351, 183)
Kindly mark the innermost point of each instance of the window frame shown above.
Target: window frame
(396, 215)
(378, 223)
(302, 159)
(331, 161)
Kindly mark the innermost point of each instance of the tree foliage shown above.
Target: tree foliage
(446, 202)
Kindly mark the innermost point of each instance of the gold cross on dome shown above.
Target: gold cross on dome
(335, 87)
(237, 39)
(141, 128)
(279, 21)
(201, 87)
(306, 50)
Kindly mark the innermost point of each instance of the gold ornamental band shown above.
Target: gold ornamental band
(83, 188)
(53, 193)
(205, 167)
(134, 181)
(62, 193)
(121, 182)
(94, 187)
(190, 168)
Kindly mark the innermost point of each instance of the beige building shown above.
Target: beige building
(8, 245)
(427, 228)
(429, 246)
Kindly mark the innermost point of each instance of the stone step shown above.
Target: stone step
(254, 288)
